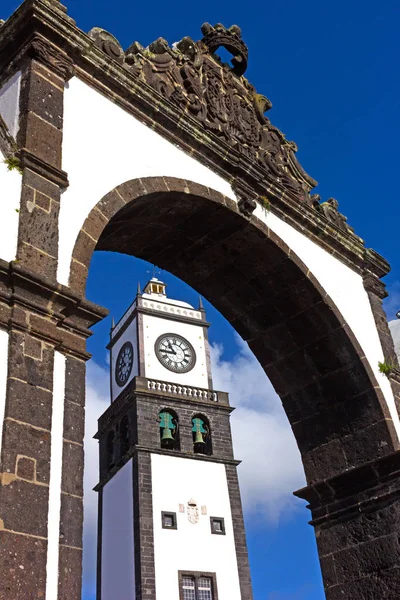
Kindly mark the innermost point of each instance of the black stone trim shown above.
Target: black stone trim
(166, 514)
(213, 522)
(239, 533)
(145, 577)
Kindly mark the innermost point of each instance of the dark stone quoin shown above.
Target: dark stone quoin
(339, 416)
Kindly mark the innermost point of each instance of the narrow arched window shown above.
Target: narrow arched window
(169, 430)
(124, 435)
(201, 433)
(111, 449)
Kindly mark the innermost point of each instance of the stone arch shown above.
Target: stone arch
(334, 404)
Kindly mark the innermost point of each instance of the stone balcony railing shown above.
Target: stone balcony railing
(184, 391)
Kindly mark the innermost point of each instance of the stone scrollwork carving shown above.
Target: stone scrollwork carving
(191, 77)
(330, 210)
(194, 79)
(52, 57)
(107, 43)
(231, 40)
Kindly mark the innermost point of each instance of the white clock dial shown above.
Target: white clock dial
(175, 353)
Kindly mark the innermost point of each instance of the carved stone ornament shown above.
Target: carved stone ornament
(330, 209)
(50, 56)
(231, 40)
(190, 76)
(107, 43)
(193, 511)
(247, 206)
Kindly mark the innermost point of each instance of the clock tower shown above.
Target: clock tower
(170, 517)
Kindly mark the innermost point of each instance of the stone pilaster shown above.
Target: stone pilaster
(376, 291)
(356, 517)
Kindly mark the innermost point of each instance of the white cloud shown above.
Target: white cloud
(391, 304)
(263, 440)
(271, 469)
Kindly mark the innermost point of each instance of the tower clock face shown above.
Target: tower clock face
(124, 364)
(175, 353)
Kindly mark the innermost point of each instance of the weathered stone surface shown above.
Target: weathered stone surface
(22, 566)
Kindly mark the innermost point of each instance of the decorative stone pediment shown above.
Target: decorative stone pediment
(192, 77)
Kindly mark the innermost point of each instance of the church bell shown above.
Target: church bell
(167, 437)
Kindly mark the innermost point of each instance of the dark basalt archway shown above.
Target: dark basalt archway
(336, 409)
(337, 412)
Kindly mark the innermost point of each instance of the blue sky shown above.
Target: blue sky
(331, 72)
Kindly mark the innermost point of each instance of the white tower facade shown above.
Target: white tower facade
(170, 515)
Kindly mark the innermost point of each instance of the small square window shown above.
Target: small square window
(217, 525)
(168, 520)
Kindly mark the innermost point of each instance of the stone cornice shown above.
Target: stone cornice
(354, 490)
(47, 310)
(32, 162)
(72, 50)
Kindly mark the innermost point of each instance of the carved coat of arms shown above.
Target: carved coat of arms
(193, 511)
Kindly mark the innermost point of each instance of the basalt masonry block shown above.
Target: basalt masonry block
(70, 574)
(22, 566)
(71, 521)
(356, 516)
(29, 515)
(27, 440)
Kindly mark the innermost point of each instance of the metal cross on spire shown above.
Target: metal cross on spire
(154, 271)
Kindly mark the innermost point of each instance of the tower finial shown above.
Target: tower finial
(201, 307)
(139, 291)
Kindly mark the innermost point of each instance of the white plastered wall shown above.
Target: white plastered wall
(10, 198)
(3, 378)
(192, 547)
(54, 509)
(104, 146)
(117, 558)
(9, 103)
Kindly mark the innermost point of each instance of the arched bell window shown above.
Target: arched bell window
(201, 433)
(169, 430)
(111, 449)
(124, 435)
